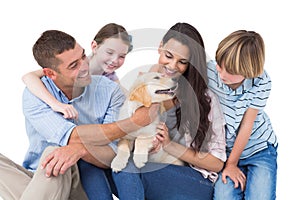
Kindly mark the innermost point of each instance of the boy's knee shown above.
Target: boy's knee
(225, 191)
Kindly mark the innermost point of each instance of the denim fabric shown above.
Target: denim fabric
(158, 181)
(128, 183)
(261, 172)
(94, 181)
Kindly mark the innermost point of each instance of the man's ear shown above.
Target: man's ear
(94, 46)
(141, 95)
(50, 73)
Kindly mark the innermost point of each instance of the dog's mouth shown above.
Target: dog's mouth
(170, 91)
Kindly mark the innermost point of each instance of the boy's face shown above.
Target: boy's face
(233, 81)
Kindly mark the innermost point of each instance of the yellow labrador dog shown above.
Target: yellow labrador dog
(150, 87)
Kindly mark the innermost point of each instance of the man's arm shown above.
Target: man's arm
(89, 142)
(102, 134)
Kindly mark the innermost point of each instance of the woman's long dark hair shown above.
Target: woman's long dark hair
(192, 114)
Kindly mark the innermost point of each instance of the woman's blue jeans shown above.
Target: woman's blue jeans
(261, 172)
(158, 181)
(95, 181)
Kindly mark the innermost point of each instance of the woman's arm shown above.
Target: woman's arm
(33, 82)
(198, 159)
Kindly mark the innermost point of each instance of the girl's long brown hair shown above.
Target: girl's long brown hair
(113, 30)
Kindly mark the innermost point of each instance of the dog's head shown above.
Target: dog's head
(152, 87)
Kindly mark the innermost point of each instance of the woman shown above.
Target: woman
(193, 130)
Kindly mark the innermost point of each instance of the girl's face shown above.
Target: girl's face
(233, 81)
(110, 55)
(173, 58)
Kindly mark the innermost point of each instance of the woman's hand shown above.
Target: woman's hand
(156, 146)
(162, 134)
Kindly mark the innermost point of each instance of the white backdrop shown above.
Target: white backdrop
(22, 22)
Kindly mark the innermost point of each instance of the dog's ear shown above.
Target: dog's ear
(141, 95)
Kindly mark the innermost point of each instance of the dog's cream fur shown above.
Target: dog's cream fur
(150, 87)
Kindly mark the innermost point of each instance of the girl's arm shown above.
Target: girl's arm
(231, 169)
(33, 82)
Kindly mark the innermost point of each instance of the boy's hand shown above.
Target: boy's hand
(235, 174)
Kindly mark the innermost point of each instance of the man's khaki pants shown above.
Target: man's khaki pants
(18, 183)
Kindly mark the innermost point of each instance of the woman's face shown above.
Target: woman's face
(173, 58)
(110, 55)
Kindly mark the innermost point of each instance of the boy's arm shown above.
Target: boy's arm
(243, 136)
(240, 143)
(33, 82)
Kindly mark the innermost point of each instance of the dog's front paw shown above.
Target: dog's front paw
(118, 163)
(140, 160)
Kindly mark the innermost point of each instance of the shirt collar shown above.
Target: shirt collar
(61, 94)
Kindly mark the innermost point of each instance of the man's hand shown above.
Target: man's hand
(144, 116)
(62, 158)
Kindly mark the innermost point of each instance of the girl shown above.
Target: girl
(193, 131)
(239, 79)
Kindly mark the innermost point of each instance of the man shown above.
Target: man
(87, 139)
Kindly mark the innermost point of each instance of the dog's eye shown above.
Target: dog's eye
(156, 77)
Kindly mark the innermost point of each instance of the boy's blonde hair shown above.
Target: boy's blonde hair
(242, 53)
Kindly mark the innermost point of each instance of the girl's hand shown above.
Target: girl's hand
(235, 174)
(162, 134)
(67, 110)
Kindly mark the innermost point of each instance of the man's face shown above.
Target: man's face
(74, 70)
